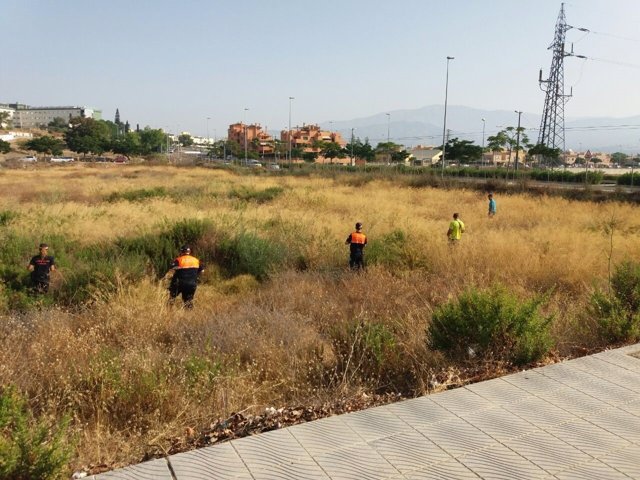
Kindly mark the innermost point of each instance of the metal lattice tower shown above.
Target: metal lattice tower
(552, 124)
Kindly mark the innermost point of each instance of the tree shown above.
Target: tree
(5, 120)
(45, 144)
(463, 150)
(58, 124)
(151, 140)
(332, 150)
(619, 157)
(550, 156)
(185, 139)
(392, 151)
(128, 144)
(5, 147)
(361, 150)
(508, 139)
(87, 135)
(309, 156)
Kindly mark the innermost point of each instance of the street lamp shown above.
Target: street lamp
(244, 122)
(208, 118)
(289, 133)
(517, 138)
(388, 125)
(353, 159)
(444, 127)
(484, 123)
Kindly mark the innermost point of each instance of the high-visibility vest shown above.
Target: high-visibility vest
(358, 238)
(187, 261)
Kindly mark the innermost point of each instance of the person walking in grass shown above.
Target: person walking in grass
(456, 229)
(40, 267)
(186, 269)
(356, 241)
(492, 206)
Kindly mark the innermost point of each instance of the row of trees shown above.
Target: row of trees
(89, 136)
(393, 152)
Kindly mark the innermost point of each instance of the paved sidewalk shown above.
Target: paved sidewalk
(574, 420)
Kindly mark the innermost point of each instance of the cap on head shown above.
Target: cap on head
(44, 245)
(491, 195)
(185, 249)
(359, 226)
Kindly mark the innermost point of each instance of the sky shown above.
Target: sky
(172, 65)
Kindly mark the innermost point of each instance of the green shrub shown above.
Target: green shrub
(492, 324)
(390, 250)
(367, 351)
(6, 216)
(618, 313)
(629, 179)
(247, 253)
(30, 448)
(137, 195)
(259, 196)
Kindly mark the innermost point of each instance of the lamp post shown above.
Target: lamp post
(517, 138)
(208, 142)
(289, 133)
(444, 126)
(244, 123)
(484, 123)
(353, 159)
(388, 137)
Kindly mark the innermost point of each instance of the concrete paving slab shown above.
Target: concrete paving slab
(218, 461)
(574, 420)
(153, 470)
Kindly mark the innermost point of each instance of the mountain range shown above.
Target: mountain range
(424, 126)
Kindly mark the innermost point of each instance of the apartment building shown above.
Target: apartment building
(308, 137)
(257, 139)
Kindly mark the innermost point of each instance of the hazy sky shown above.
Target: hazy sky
(172, 64)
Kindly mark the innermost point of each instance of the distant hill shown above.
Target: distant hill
(424, 126)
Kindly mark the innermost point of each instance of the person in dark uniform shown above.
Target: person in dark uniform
(186, 269)
(356, 241)
(40, 267)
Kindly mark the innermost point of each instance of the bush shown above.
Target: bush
(390, 250)
(618, 313)
(259, 196)
(137, 195)
(30, 448)
(492, 324)
(247, 253)
(629, 179)
(6, 216)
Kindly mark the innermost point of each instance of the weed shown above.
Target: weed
(137, 195)
(491, 324)
(30, 448)
(618, 313)
(259, 196)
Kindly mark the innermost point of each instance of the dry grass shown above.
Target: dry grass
(134, 372)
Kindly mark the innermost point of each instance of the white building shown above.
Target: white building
(26, 116)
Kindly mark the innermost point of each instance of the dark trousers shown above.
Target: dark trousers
(356, 261)
(187, 291)
(39, 288)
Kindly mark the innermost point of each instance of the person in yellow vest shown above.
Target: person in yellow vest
(186, 269)
(456, 229)
(356, 241)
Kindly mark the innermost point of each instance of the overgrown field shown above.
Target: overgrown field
(279, 320)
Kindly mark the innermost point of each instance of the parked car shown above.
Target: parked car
(273, 166)
(61, 159)
(254, 163)
(30, 158)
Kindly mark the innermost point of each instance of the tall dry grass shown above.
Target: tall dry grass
(133, 372)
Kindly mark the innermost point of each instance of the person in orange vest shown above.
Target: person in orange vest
(356, 241)
(186, 269)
